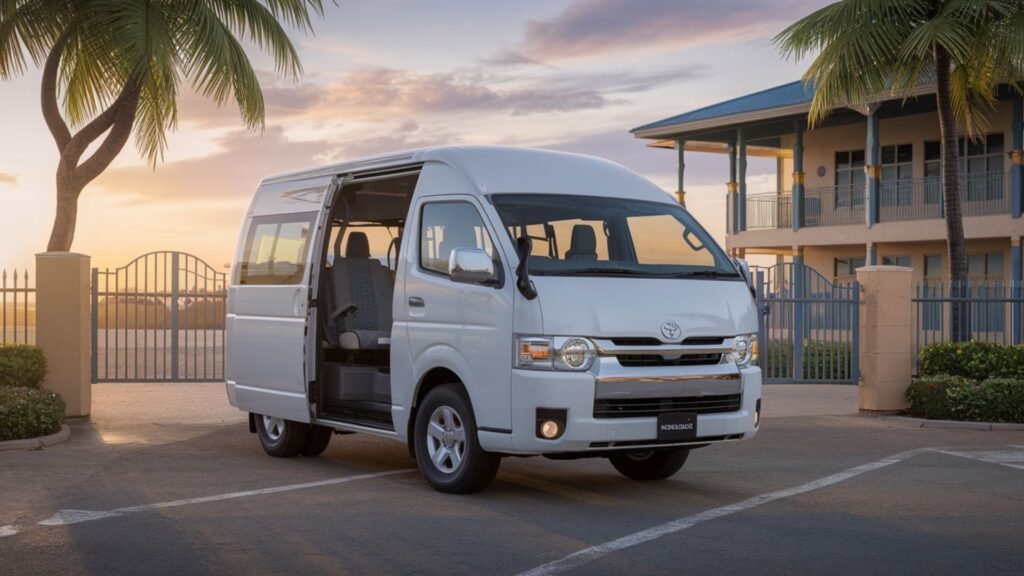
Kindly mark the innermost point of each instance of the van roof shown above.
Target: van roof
(496, 169)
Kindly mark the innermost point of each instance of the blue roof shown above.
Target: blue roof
(778, 97)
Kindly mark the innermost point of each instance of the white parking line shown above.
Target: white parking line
(7, 531)
(66, 517)
(588, 555)
(1009, 458)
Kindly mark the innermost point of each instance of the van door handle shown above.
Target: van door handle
(416, 302)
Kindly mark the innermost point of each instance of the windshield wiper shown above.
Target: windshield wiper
(706, 274)
(601, 272)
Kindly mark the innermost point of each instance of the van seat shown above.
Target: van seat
(362, 291)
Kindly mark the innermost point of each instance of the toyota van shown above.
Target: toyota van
(484, 302)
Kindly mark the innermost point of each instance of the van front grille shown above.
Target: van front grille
(641, 360)
(691, 341)
(647, 407)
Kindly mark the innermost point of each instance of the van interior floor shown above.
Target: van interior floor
(356, 394)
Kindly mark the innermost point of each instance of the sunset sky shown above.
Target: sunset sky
(387, 74)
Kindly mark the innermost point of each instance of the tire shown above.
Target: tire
(317, 440)
(281, 438)
(447, 448)
(649, 465)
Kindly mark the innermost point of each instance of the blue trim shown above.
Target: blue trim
(732, 178)
(873, 153)
(680, 163)
(741, 143)
(798, 167)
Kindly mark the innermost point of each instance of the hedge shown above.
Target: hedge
(972, 360)
(21, 366)
(820, 359)
(29, 413)
(947, 397)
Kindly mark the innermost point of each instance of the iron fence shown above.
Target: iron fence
(160, 318)
(981, 194)
(809, 327)
(17, 308)
(989, 310)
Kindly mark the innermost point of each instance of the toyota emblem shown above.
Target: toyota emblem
(671, 331)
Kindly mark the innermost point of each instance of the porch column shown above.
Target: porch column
(797, 200)
(1016, 290)
(733, 202)
(680, 171)
(871, 257)
(872, 169)
(741, 177)
(1017, 158)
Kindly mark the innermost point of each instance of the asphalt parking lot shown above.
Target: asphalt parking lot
(819, 490)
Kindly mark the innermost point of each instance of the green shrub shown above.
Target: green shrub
(973, 360)
(21, 366)
(28, 413)
(947, 397)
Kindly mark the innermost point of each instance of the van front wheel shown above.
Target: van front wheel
(281, 438)
(649, 464)
(447, 449)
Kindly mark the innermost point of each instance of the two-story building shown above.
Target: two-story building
(862, 187)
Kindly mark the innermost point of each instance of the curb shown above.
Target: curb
(957, 424)
(37, 443)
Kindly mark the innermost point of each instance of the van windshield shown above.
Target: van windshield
(600, 236)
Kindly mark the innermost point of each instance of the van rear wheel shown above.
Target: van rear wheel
(447, 449)
(649, 464)
(281, 438)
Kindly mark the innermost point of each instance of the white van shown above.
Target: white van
(481, 302)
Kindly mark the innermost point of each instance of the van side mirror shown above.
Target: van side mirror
(472, 266)
(744, 269)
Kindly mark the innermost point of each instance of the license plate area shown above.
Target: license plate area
(677, 427)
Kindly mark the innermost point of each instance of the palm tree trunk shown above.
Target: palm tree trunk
(63, 231)
(959, 316)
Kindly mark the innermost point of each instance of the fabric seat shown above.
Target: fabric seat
(362, 291)
(582, 243)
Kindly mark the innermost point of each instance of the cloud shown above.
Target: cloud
(6, 178)
(591, 27)
(510, 58)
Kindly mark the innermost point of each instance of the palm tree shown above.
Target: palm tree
(115, 67)
(869, 48)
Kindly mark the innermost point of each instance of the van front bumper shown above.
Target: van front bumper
(575, 393)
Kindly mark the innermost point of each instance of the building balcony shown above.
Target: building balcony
(981, 194)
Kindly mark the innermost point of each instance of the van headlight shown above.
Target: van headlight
(569, 353)
(744, 351)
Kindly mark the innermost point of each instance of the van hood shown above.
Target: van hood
(639, 307)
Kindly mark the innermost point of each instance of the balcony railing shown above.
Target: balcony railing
(902, 200)
(768, 211)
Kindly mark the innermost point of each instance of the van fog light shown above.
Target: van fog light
(550, 423)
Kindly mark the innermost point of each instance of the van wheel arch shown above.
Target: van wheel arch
(432, 379)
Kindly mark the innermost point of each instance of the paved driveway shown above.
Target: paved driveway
(159, 489)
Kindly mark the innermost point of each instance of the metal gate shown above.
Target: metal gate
(809, 326)
(160, 318)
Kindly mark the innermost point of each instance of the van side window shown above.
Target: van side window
(445, 226)
(275, 249)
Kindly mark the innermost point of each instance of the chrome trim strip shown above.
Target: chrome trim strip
(688, 389)
(606, 347)
(677, 378)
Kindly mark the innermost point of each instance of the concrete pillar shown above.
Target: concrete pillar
(871, 255)
(886, 352)
(681, 171)
(798, 174)
(872, 169)
(62, 326)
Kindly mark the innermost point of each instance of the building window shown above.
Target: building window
(932, 311)
(896, 261)
(981, 168)
(897, 175)
(850, 179)
(983, 270)
(846, 268)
